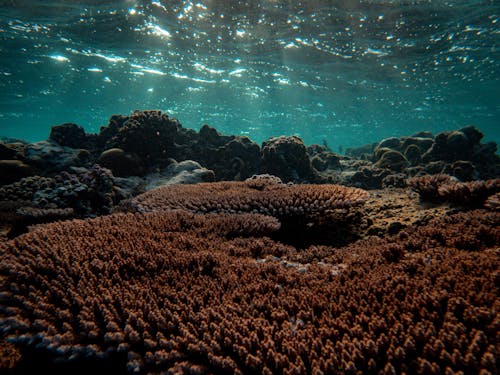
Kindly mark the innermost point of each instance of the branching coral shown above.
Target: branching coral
(175, 292)
(265, 196)
(493, 202)
(86, 191)
(444, 188)
(428, 186)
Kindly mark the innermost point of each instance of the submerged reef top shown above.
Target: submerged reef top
(258, 275)
(185, 293)
(76, 174)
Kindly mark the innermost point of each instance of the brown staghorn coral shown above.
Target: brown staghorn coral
(444, 188)
(266, 197)
(308, 213)
(167, 293)
(493, 202)
(427, 186)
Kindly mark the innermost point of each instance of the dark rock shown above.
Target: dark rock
(394, 180)
(127, 187)
(185, 172)
(464, 145)
(395, 227)
(361, 152)
(486, 160)
(319, 163)
(472, 133)
(242, 156)
(379, 151)
(68, 135)
(315, 149)
(230, 157)
(423, 143)
(456, 141)
(435, 167)
(423, 134)
(7, 151)
(50, 157)
(88, 192)
(286, 158)
(393, 143)
(367, 177)
(13, 170)
(452, 146)
(149, 134)
(393, 160)
(461, 169)
(413, 154)
(416, 171)
(121, 163)
(106, 133)
(322, 158)
(211, 136)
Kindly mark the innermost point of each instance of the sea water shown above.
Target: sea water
(344, 73)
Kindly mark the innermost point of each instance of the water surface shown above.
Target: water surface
(344, 72)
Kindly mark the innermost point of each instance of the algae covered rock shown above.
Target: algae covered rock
(50, 157)
(13, 170)
(149, 134)
(286, 157)
(322, 158)
(68, 135)
(393, 160)
(121, 163)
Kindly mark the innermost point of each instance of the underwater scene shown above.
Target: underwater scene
(249, 187)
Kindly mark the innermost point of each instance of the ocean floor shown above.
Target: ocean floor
(154, 249)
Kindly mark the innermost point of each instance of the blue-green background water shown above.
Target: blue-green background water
(348, 72)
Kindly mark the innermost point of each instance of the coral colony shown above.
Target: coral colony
(149, 248)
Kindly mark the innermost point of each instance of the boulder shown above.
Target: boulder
(13, 170)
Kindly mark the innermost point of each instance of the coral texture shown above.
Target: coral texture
(230, 157)
(444, 188)
(149, 134)
(287, 158)
(265, 196)
(184, 293)
(69, 135)
(82, 193)
(493, 202)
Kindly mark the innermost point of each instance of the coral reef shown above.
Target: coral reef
(185, 172)
(257, 275)
(428, 186)
(13, 170)
(308, 213)
(82, 193)
(48, 158)
(69, 135)
(392, 160)
(230, 157)
(184, 293)
(493, 202)
(121, 163)
(287, 158)
(459, 153)
(266, 196)
(322, 158)
(148, 134)
(444, 188)
(146, 141)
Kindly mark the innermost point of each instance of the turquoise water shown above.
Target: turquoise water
(344, 72)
